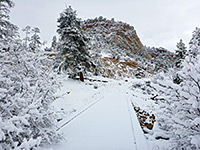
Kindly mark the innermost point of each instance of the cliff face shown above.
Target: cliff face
(120, 53)
(120, 34)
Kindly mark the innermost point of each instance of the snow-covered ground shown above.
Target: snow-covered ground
(96, 115)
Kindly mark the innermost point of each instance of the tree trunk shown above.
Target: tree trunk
(81, 76)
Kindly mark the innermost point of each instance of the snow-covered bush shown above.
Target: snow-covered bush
(26, 91)
(180, 113)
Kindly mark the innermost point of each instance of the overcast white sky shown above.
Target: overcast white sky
(159, 23)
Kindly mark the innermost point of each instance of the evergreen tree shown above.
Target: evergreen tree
(7, 29)
(180, 53)
(195, 43)
(73, 43)
(35, 42)
(180, 56)
(27, 31)
(54, 43)
(32, 39)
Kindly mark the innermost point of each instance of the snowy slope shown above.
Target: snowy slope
(103, 118)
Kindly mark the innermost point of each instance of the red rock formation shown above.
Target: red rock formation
(120, 33)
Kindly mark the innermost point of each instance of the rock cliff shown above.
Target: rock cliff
(119, 34)
(120, 52)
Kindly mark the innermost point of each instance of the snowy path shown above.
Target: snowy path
(110, 124)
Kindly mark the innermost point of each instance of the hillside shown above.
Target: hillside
(119, 52)
(118, 34)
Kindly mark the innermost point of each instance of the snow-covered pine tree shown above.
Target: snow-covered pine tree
(180, 56)
(195, 42)
(54, 43)
(27, 31)
(35, 42)
(32, 39)
(7, 29)
(180, 53)
(72, 44)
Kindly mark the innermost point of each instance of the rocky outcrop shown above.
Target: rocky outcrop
(119, 34)
(120, 52)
